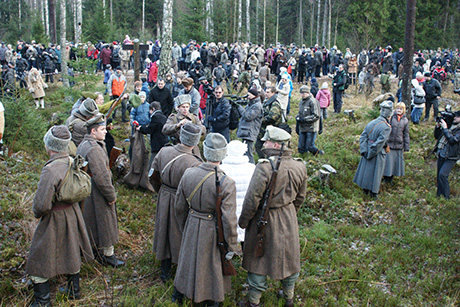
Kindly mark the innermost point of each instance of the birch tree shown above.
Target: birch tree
(46, 21)
(318, 21)
(277, 20)
(52, 20)
(65, 78)
(300, 23)
(19, 14)
(257, 20)
(79, 21)
(143, 17)
(166, 41)
(240, 18)
(329, 27)
(265, 22)
(323, 38)
(248, 24)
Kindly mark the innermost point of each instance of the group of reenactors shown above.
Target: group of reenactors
(193, 197)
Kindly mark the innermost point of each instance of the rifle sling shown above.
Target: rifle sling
(189, 199)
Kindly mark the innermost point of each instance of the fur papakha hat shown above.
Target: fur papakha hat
(190, 134)
(88, 108)
(181, 99)
(215, 147)
(57, 138)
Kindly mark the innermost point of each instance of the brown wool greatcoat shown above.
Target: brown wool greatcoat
(100, 217)
(282, 250)
(76, 125)
(167, 236)
(61, 234)
(199, 273)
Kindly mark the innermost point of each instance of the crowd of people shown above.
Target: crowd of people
(222, 182)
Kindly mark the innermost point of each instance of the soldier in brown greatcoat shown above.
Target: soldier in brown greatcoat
(281, 258)
(176, 120)
(199, 273)
(61, 233)
(100, 211)
(76, 122)
(168, 167)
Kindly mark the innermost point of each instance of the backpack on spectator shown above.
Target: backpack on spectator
(234, 117)
(116, 55)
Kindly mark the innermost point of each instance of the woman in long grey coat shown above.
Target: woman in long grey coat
(399, 142)
(199, 273)
(61, 233)
(371, 146)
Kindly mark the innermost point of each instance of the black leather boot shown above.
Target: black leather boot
(112, 261)
(42, 295)
(73, 287)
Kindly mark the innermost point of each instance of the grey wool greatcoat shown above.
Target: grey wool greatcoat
(100, 217)
(171, 163)
(281, 256)
(199, 273)
(371, 146)
(61, 234)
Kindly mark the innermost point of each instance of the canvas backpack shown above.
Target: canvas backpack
(234, 117)
(76, 185)
(116, 55)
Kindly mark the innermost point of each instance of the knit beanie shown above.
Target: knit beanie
(254, 91)
(215, 147)
(190, 134)
(57, 138)
(88, 108)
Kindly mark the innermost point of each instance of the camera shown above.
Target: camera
(208, 89)
(447, 116)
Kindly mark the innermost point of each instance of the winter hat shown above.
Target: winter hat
(57, 138)
(418, 75)
(98, 120)
(304, 89)
(427, 74)
(414, 82)
(190, 134)
(386, 108)
(253, 91)
(181, 99)
(236, 148)
(88, 108)
(135, 100)
(275, 134)
(313, 80)
(142, 94)
(215, 147)
(324, 85)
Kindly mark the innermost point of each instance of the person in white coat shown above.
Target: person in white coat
(236, 166)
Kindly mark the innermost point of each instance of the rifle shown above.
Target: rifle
(115, 104)
(263, 219)
(227, 266)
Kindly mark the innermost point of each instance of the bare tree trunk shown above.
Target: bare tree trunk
(408, 52)
(277, 19)
(166, 40)
(79, 21)
(19, 14)
(318, 21)
(323, 39)
(257, 20)
(65, 78)
(208, 15)
(329, 27)
(336, 23)
(312, 20)
(103, 8)
(265, 22)
(235, 20)
(111, 13)
(74, 13)
(143, 17)
(445, 24)
(47, 21)
(240, 18)
(211, 23)
(248, 24)
(300, 23)
(52, 20)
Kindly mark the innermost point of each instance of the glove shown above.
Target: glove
(229, 255)
(31, 90)
(45, 85)
(364, 154)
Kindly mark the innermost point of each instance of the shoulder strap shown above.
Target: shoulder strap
(189, 199)
(170, 162)
(66, 175)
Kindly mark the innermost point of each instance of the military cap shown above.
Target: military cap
(91, 95)
(98, 120)
(304, 89)
(275, 134)
(57, 138)
(181, 99)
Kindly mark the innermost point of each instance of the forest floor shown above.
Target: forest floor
(400, 250)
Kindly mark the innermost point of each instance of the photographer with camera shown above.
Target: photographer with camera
(447, 149)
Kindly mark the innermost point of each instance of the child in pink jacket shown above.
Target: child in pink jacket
(324, 98)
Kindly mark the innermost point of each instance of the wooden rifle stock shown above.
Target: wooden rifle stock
(115, 104)
(227, 266)
(114, 154)
(263, 219)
